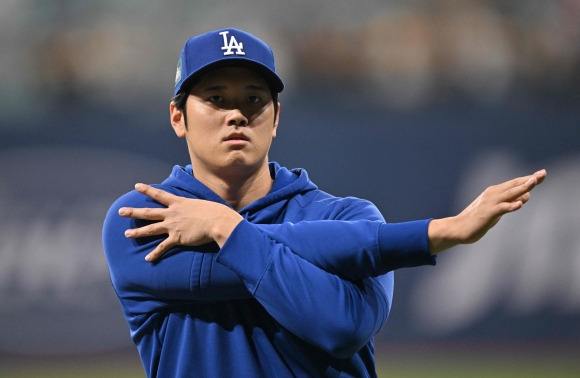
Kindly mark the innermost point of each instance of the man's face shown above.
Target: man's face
(230, 123)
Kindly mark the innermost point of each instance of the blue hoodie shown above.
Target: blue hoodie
(299, 289)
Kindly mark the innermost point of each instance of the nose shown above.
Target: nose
(237, 118)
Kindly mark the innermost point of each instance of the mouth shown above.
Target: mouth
(236, 141)
(236, 138)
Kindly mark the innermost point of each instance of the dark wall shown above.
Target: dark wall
(60, 172)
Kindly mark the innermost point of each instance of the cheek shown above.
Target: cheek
(203, 124)
(266, 137)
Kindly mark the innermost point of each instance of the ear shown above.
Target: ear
(276, 120)
(177, 120)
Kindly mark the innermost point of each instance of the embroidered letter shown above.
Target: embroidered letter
(233, 44)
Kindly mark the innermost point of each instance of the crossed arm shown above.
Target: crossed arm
(334, 314)
(192, 222)
(195, 222)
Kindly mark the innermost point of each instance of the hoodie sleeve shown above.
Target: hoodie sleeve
(356, 249)
(331, 313)
(356, 242)
(296, 271)
(184, 274)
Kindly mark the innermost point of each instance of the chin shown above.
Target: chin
(244, 165)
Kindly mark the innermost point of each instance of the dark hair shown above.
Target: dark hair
(180, 99)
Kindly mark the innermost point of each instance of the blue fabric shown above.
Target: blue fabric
(299, 289)
(225, 46)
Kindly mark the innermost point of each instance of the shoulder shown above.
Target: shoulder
(320, 196)
(340, 207)
(133, 199)
(136, 199)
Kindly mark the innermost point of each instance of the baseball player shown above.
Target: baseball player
(236, 266)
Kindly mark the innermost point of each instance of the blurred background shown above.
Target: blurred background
(414, 105)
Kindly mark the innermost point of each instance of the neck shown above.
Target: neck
(239, 190)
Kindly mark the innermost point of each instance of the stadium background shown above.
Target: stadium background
(415, 105)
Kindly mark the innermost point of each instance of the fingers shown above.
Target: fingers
(152, 230)
(152, 214)
(541, 175)
(524, 198)
(508, 207)
(163, 247)
(159, 195)
(518, 189)
(536, 178)
(145, 231)
(148, 213)
(153, 255)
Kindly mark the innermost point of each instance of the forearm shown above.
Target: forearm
(331, 313)
(355, 249)
(184, 274)
(188, 274)
(347, 249)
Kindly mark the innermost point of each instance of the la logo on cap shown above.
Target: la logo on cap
(232, 44)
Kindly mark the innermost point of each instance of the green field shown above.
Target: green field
(488, 360)
(401, 361)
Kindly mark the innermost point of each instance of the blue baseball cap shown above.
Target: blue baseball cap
(222, 48)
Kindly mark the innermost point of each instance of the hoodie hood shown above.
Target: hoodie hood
(288, 184)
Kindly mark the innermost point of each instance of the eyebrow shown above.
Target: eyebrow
(252, 87)
(256, 87)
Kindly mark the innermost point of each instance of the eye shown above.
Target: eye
(216, 99)
(254, 99)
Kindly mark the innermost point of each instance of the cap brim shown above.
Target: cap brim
(273, 79)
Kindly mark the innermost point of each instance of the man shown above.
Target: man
(237, 267)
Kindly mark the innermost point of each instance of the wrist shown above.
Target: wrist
(222, 225)
(442, 234)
